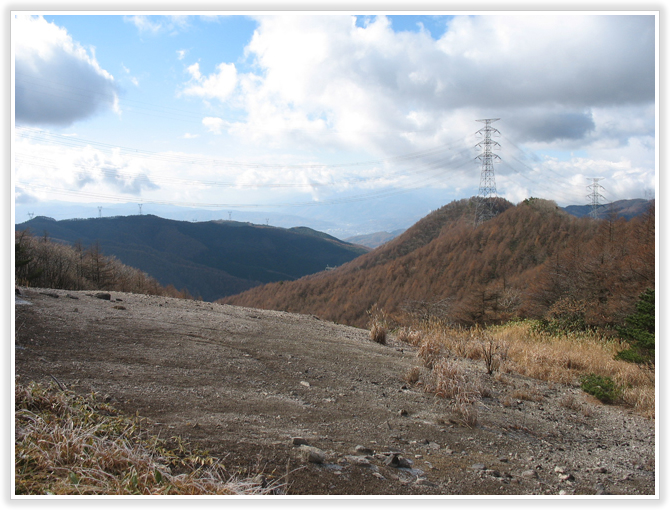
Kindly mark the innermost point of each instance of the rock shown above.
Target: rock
(394, 459)
(119, 307)
(358, 460)
(50, 294)
(559, 470)
(601, 470)
(305, 383)
(17, 291)
(312, 454)
(297, 441)
(364, 450)
(566, 478)
(478, 467)
(433, 446)
(403, 412)
(71, 296)
(530, 473)
(103, 295)
(425, 482)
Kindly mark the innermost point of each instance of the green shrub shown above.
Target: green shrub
(639, 330)
(601, 387)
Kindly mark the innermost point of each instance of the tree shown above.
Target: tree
(639, 330)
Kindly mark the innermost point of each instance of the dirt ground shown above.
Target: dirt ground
(247, 384)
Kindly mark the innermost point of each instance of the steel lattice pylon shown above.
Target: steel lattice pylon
(595, 196)
(484, 209)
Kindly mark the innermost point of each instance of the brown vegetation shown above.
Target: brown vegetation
(41, 262)
(532, 260)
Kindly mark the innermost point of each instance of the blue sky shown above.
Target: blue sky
(309, 108)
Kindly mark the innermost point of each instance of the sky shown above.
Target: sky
(314, 109)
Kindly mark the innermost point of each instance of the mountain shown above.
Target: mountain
(625, 208)
(376, 239)
(531, 260)
(339, 215)
(210, 259)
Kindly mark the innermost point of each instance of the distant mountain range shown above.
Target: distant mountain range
(376, 239)
(210, 259)
(625, 208)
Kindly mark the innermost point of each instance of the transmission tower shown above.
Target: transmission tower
(595, 196)
(484, 207)
(31, 214)
(140, 209)
(99, 211)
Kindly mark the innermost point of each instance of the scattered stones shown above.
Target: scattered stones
(425, 482)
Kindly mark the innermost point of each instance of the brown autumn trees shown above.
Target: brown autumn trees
(532, 260)
(41, 262)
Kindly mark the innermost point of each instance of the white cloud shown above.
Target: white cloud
(189, 136)
(568, 83)
(57, 81)
(213, 124)
(219, 85)
(155, 25)
(181, 54)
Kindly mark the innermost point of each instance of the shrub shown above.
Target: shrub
(639, 330)
(601, 387)
(378, 333)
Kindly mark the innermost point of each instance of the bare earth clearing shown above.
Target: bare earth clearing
(242, 383)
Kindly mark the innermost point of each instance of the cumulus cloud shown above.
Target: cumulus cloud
(57, 81)
(154, 25)
(327, 79)
(214, 124)
(218, 85)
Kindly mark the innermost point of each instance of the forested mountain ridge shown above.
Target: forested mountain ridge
(531, 260)
(209, 259)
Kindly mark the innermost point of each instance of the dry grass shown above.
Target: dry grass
(378, 333)
(548, 358)
(70, 445)
(449, 380)
(410, 336)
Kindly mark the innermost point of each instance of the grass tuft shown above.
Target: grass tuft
(66, 444)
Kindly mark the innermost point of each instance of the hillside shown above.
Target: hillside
(532, 260)
(314, 406)
(210, 259)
